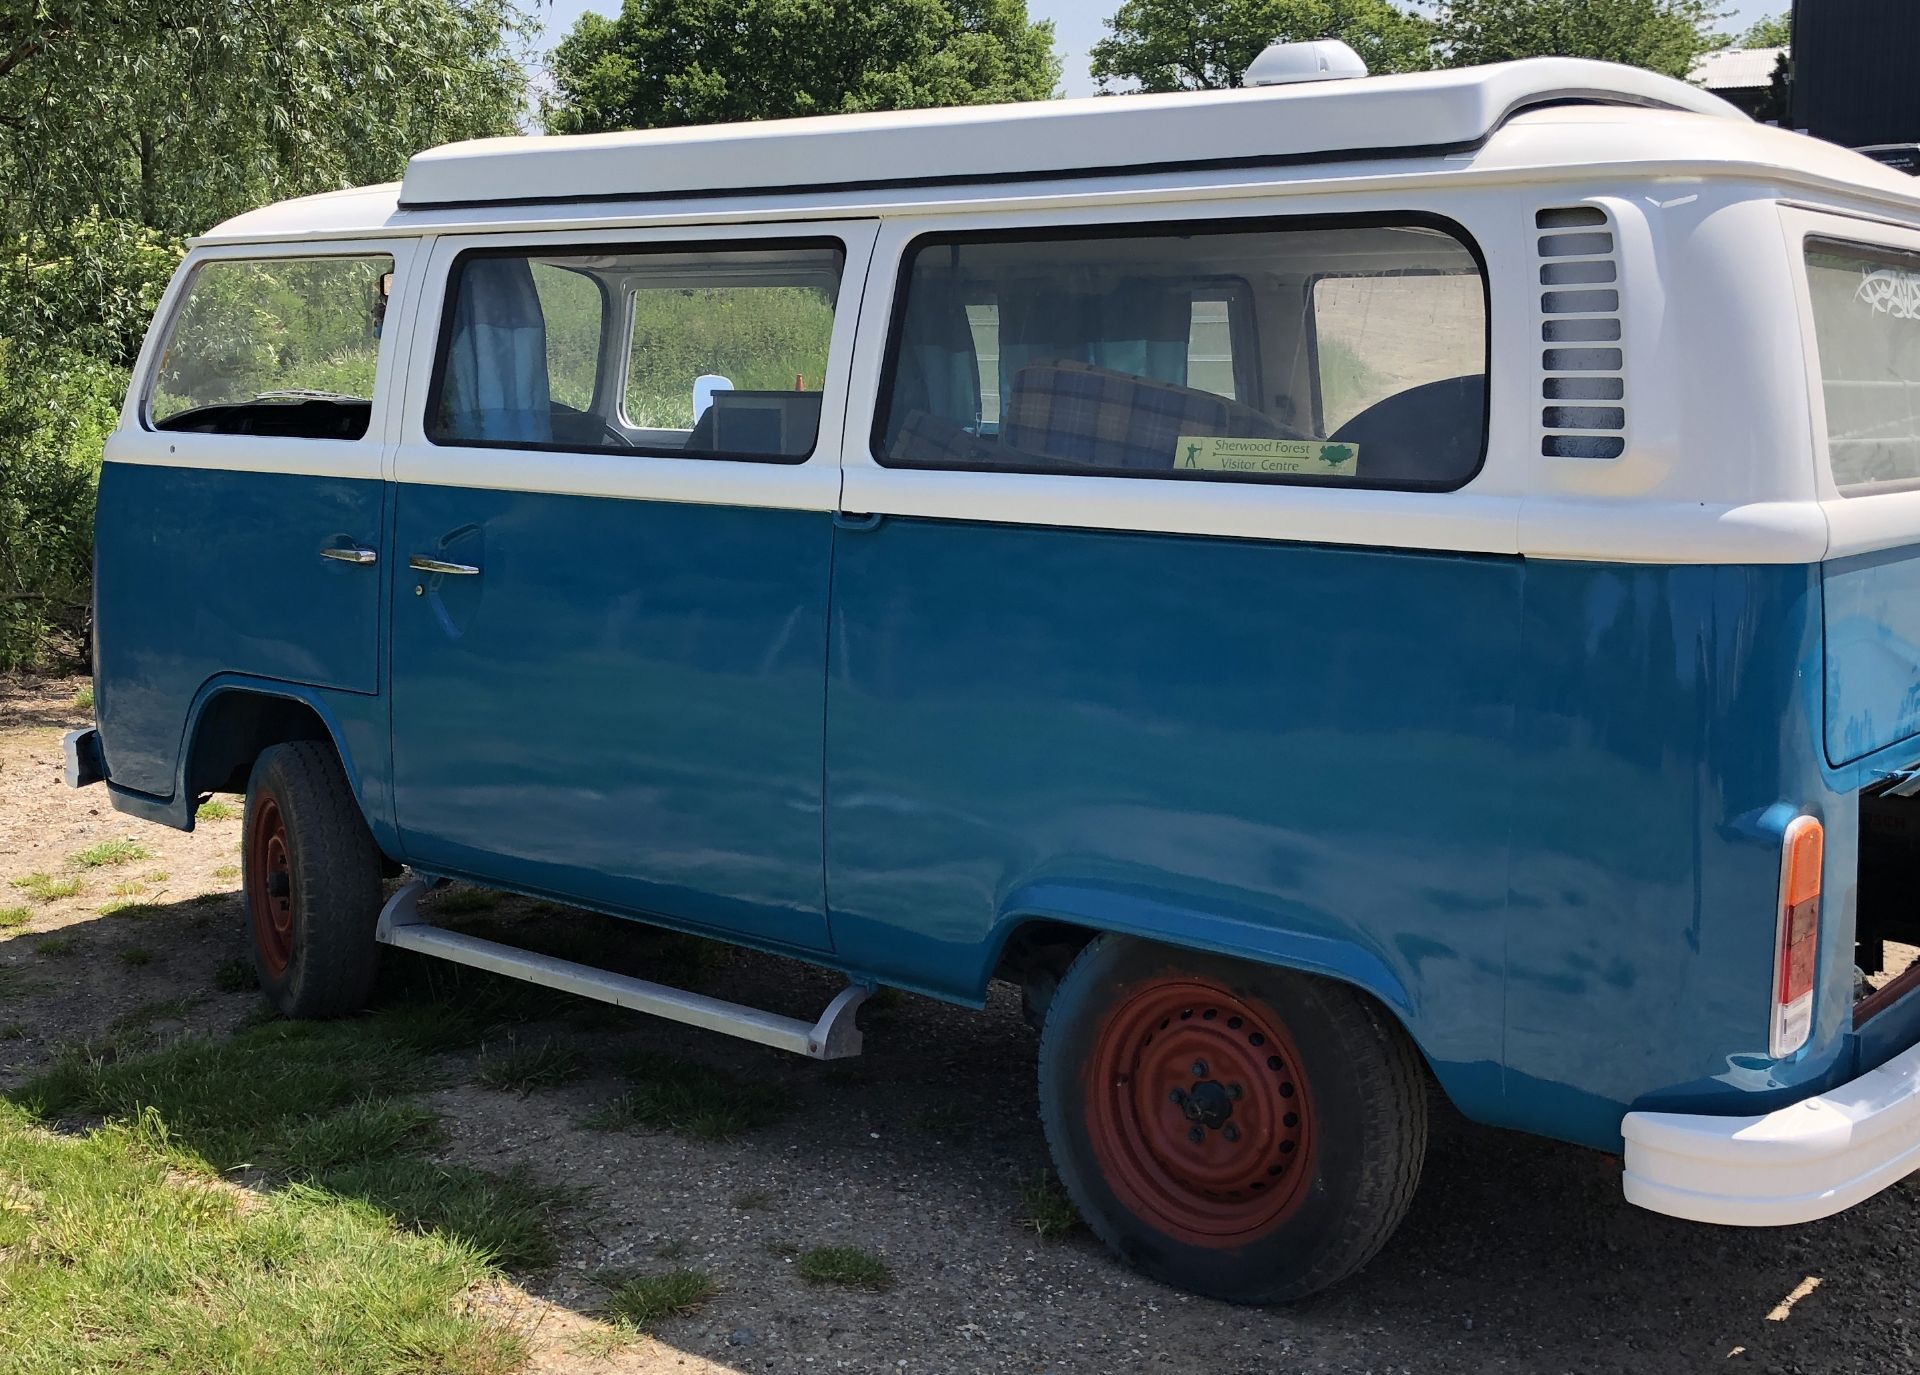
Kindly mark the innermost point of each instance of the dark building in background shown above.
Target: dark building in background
(1855, 76)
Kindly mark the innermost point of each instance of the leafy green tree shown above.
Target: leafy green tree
(1663, 35)
(177, 113)
(663, 63)
(1187, 45)
(1774, 31)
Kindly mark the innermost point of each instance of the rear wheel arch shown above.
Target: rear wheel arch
(233, 725)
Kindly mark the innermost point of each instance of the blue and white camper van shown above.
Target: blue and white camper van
(1330, 587)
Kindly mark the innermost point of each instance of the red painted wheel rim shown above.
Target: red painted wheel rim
(1199, 1112)
(270, 880)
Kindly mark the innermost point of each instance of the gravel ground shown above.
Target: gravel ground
(1519, 1254)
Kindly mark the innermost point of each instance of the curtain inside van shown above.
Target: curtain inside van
(494, 385)
(1136, 325)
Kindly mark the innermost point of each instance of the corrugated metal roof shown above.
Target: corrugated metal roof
(1736, 69)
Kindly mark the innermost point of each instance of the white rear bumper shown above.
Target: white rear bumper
(1807, 1161)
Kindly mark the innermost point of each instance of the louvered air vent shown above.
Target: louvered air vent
(1581, 359)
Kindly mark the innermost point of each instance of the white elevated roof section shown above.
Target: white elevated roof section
(1384, 115)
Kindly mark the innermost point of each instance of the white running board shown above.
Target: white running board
(835, 1036)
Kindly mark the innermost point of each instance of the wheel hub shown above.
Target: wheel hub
(270, 898)
(1198, 1111)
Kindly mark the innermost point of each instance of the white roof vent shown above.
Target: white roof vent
(1327, 59)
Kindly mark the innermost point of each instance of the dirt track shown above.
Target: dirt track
(1519, 1254)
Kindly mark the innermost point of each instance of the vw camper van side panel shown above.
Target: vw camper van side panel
(1295, 753)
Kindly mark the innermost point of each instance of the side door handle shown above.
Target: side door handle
(421, 563)
(350, 555)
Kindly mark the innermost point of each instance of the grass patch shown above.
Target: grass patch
(157, 876)
(130, 888)
(108, 853)
(83, 701)
(460, 900)
(505, 1218)
(117, 1262)
(121, 907)
(13, 1031)
(145, 1015)
(1044, 1206)
(136, 957)
(848, 1266)
(57, 946)
(47, 888)
(645, 1301)
(522, 1069)
(370, 1129)
(681, 1096)
(235, 976)
(227, 871)
(13, 918)
(216, 810)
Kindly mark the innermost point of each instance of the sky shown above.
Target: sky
(1077, 25)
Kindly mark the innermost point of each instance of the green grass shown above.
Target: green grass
(227, 871)
(13, 1031)
(366, 1130)
(515, 1068)
(109, 852)
(505, 1218)
(129, 888)
(136, 957)
(47, 888)
(1044, 1206)
(13, 918)
(122, 1255)
(83, 701)
(844, 1265)
(461, 900)
(59, 946)
(235, 976)
(681, 1096)
(123, 907)
(157, 876)
(165, 1010)
(646, 1301)
(216, 810)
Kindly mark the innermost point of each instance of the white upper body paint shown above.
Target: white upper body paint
(1724, 458)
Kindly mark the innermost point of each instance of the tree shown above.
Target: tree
(176, 113)
(1774, 31)
(1663, 35)
(663, 63)
(1186, 45)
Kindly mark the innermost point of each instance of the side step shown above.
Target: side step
(835, 1036)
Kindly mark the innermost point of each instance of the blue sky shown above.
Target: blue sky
(1077, 25)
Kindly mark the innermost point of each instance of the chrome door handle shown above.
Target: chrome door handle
(351, 555)
(420, 563)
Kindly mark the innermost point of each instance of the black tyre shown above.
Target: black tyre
(311, 875)
(1248, 1133)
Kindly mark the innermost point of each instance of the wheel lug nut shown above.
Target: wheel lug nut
(1199, 1069)
(1176, 1097)
(1196, 1136)
(1233, 1090)
(1231, 1132)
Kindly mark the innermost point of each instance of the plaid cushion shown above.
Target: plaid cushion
(1075, 413)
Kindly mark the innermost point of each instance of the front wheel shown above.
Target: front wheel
(311, 874)
(1248, 1133)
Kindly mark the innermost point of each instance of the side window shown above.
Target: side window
(274, 346)
(1866, 322)
(1380, 335)
(1122, 352)
(723, 351)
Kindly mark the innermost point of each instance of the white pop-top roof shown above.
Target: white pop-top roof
(1389, 115)
(1736, 69)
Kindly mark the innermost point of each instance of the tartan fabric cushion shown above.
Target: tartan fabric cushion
(1076, 413)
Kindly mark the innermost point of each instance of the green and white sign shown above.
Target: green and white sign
(1267, 457)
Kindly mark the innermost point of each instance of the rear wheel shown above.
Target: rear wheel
(1249, 1133)
(311, 874)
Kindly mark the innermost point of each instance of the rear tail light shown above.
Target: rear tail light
(1798, 943)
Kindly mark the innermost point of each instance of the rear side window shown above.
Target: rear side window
(1331, 353)
(1866, 320)
(706, 352)
(274, 346)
